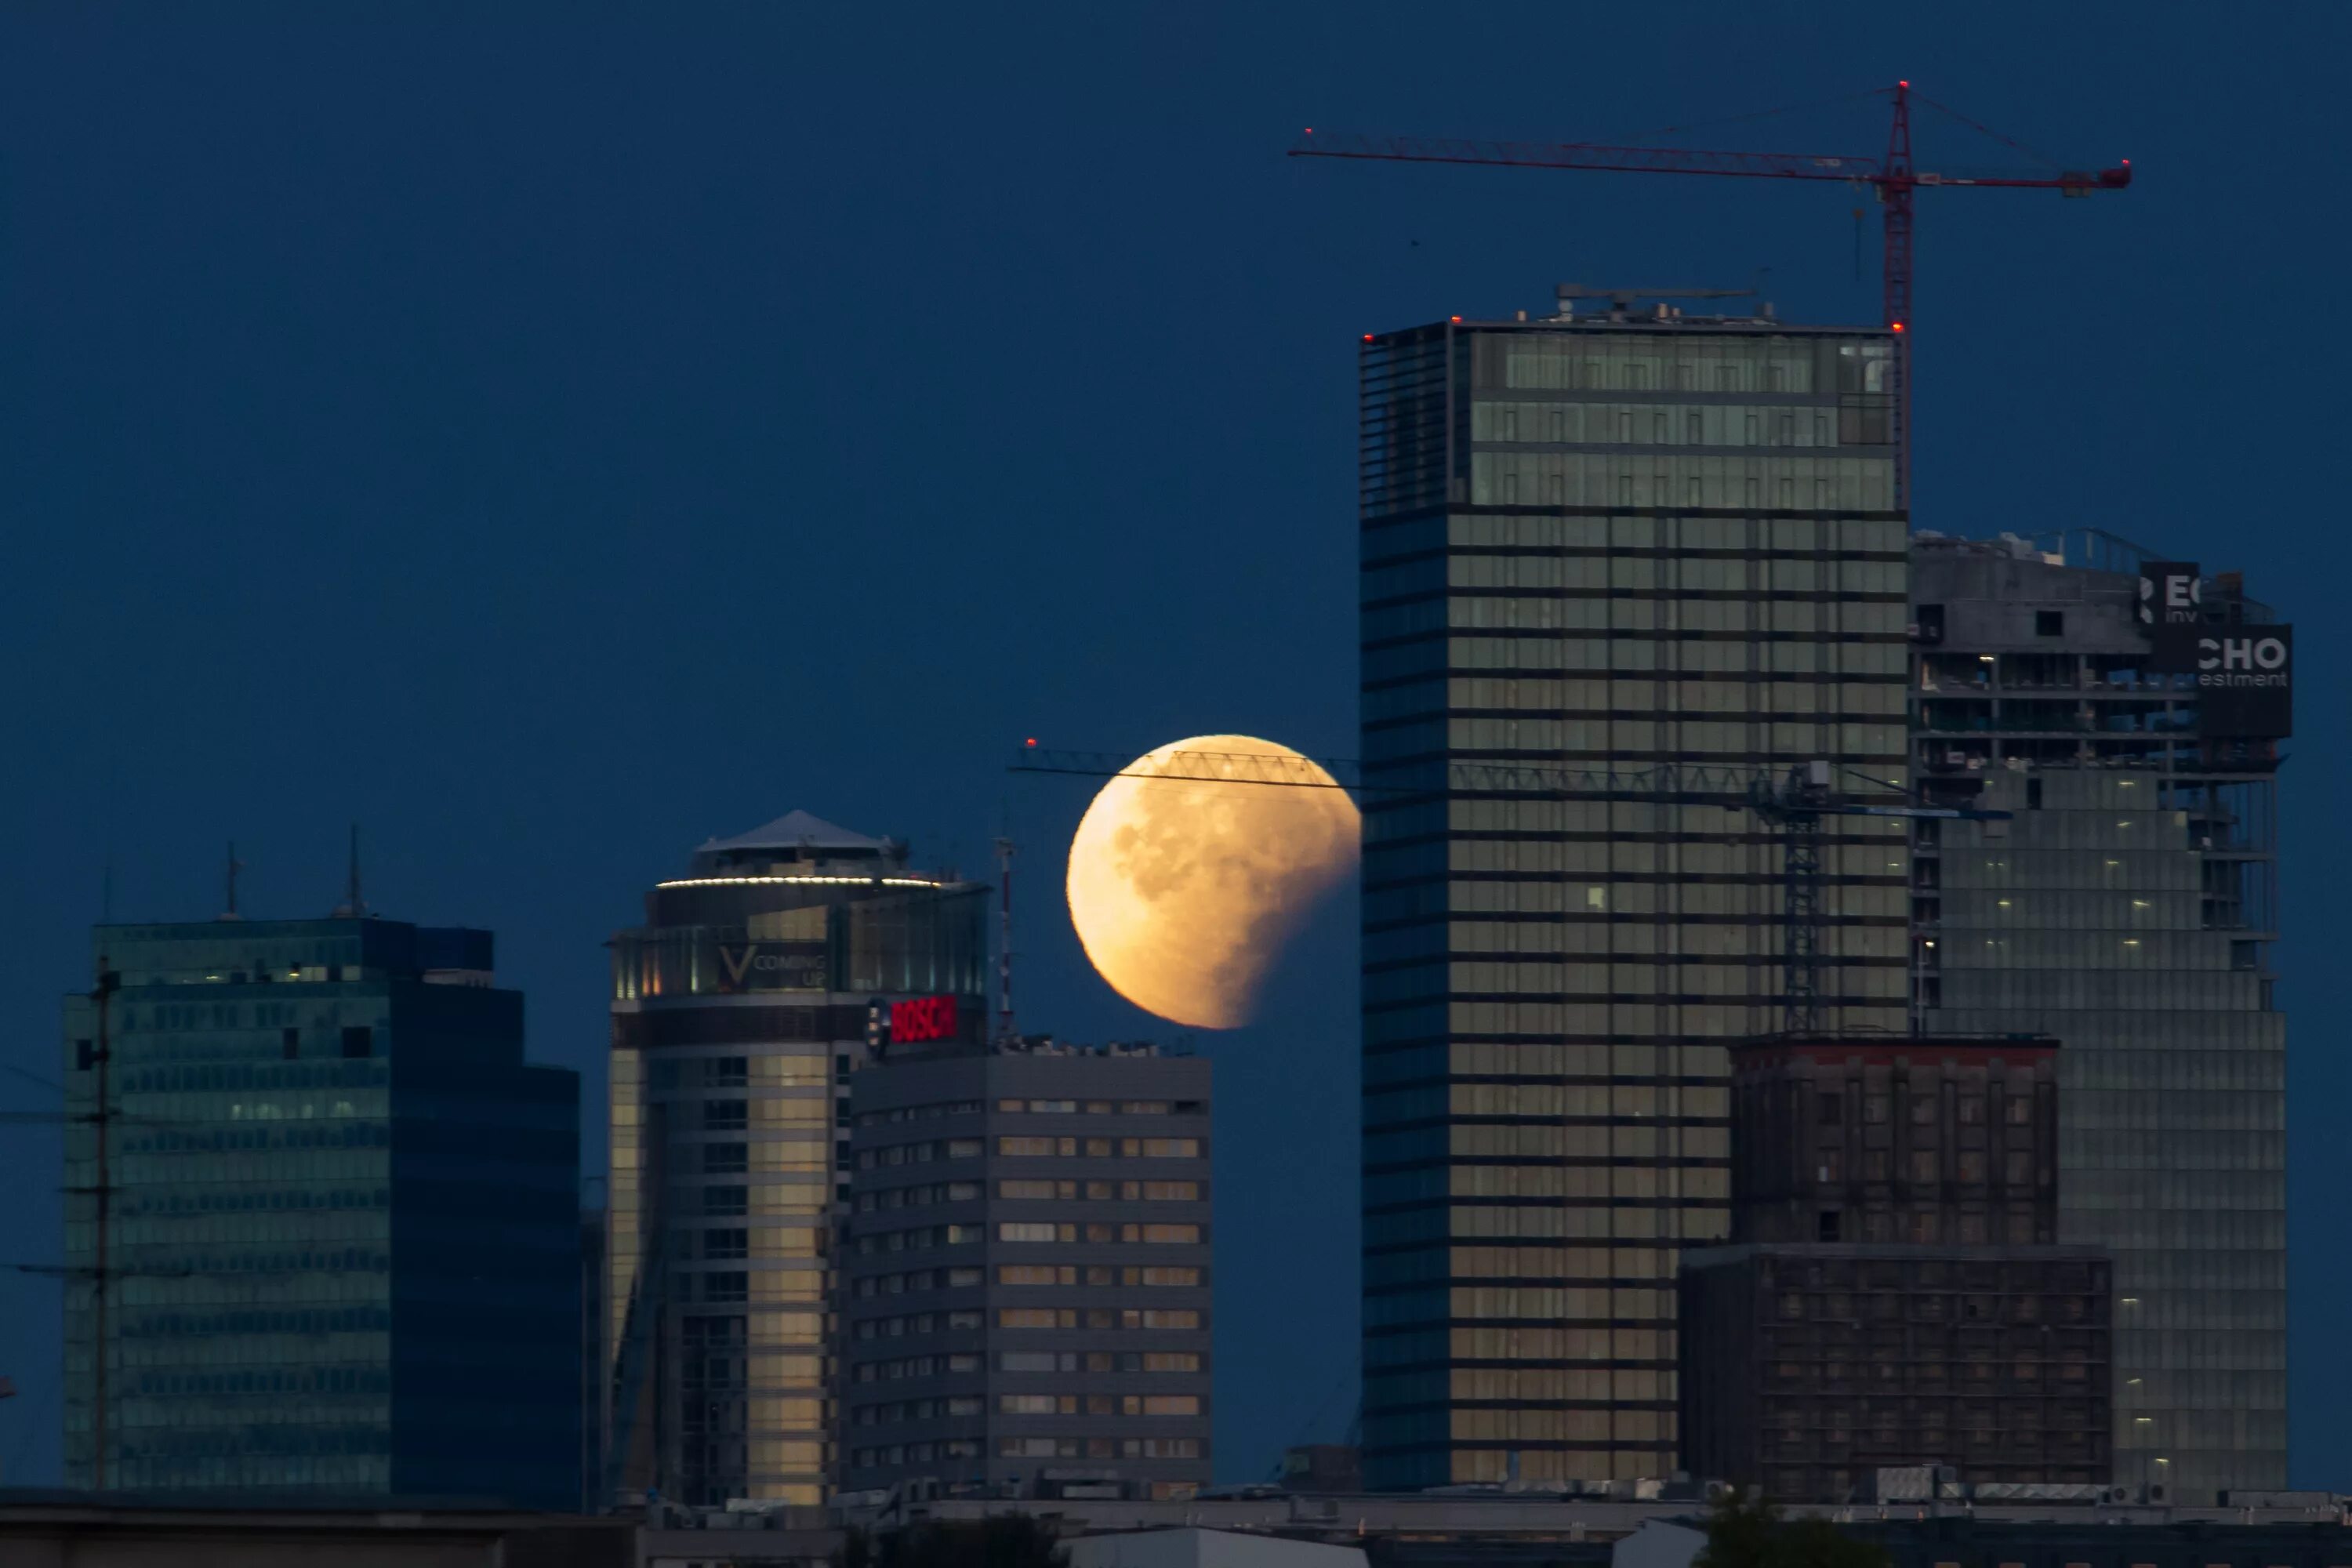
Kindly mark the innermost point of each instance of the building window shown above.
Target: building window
(725, 1159)
(1829, 1109)
(726, 1286)
(359, 1041)
(723, 1116)
(2050, 623)
(726, 1243)
(290, 1043)
(1828, 1225)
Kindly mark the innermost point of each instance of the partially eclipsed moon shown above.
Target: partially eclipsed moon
(1185, 888)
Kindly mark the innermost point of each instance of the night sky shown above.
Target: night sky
(552, 435)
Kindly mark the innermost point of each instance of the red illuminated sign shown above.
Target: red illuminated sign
(924, 1018)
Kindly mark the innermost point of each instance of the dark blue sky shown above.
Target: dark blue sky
(550, 435)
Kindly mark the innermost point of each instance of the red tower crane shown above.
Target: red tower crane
(1893, 176)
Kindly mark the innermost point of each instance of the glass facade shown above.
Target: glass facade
(1612, 573)
(2129, 909)
(342, 1218)
(740, 1009)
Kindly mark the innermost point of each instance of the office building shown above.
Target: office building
(1026, 1274)
(1613, 568)
(2129, 713)
(325, 1238)
(739, 1008)
(1891, 1294)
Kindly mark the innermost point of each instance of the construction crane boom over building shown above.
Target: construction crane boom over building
(1793, 802)
(1893, 176)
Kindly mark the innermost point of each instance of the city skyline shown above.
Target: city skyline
(371, 481)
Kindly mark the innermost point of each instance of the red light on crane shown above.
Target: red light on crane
(1030, 741)
(1895, 326)
(1456, 320)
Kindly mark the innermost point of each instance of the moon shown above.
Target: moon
(1185, 887)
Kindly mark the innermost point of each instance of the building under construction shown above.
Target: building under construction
(2129, 713)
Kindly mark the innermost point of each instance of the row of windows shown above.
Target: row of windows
(1650, 695)
(918, 1410)
(1032, 1361)
(1541, 1425)
(1025, 1188)
(1713, 483)
(1560, 656)
(1702, 1184)
(1102, 1107)
(917, 1238)
(1097, 1447)
(920, 1323)
(1659, 362)
(916, 1453)
(916, 1367)
(920, 1196)
(736, 1115)
(1098, 1233)
(1652, 425)
(918, 1280)
(674, 1070)
(1555, 1101)
(1507, 891)
(768, 1155)
(1761, 535)
(1768, 577)
(1017, 1146)
(1096, 1274)
(1794, 619)
(1098, 1404)
(723, 1201)
(1098, 1360)
(1099, 1318)
(1638, 856)
(1038, 1188)
(1685, 737)
(919, 1113)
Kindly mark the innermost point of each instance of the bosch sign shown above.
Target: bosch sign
(924, 1018)
(2245, 681)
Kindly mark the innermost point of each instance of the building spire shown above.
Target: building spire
(229, 878)
(353, 907)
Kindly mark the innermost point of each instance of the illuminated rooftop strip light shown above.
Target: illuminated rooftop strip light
(826, 882)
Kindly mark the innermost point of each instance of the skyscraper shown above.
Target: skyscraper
(2129, 713)
(331, 1244)
(1613, 568)
(740, 1009)
(1026, 1274)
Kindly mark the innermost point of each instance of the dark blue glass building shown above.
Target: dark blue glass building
(325, 1234)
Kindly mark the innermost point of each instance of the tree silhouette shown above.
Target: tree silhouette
(1744, 1530)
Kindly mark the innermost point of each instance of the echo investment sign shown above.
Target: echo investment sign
(2245, 681)
(2244, 673)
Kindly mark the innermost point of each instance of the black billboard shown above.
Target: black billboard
(2172, 613)
(2245, 682)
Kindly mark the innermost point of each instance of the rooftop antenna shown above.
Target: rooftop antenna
(1004, 941)
(229, 876)
(353, 906)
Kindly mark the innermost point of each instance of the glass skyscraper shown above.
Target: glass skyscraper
(2130, 909)
(740, 1009)
(1614, 569)
(339, 1248)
